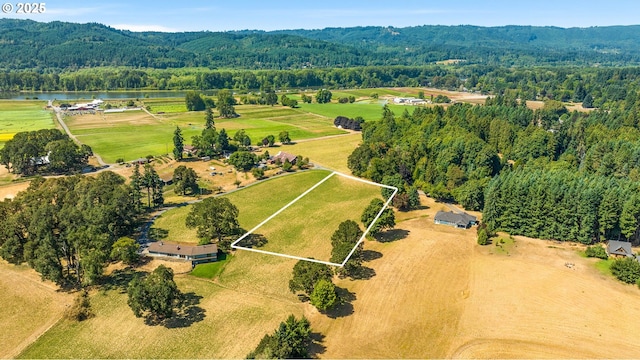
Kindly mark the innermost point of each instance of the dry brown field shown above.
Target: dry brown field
(432, 292)
(29, 307)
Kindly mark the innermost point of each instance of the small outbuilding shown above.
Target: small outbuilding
(459, 220)
(196, 254)
(619, 248)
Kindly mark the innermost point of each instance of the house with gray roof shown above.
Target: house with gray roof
(196, 254)
(459, 220)
(619, 248)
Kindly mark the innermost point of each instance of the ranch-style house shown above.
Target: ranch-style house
(196, 254)
(458, 220)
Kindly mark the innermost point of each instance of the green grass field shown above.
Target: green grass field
(331, 153)
(368, 111)
(255, 203)
(169, 105)
(135, 134)
(304, 229)
(23, 115)
(604, 266)
(213, 269)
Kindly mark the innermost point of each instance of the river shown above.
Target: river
(88, 95)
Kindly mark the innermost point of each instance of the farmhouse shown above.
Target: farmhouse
(196, 254)
(190, 149)
(282, 156)
(458, 220)
(619, 248)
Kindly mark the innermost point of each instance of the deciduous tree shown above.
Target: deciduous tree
(216, 219)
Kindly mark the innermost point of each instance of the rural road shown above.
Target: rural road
(73, 137)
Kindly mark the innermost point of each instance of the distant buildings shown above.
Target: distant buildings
(409, 101)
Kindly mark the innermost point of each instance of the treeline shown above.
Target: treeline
(65, 227)
(454, 153)
(563, 205)
(595, 87)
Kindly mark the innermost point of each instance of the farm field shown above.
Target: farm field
(304, 229)
(331, 152)
(368, 111)
(23, 115)
(432, 293)
(255, 203)
(29, 307)
(134, 134)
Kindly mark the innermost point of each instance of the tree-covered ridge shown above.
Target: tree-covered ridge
(26, 44)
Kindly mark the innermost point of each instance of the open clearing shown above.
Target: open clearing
(29, 307)
(304, 229)
(255, 204)
(437, 294)
(432, 293)
(23, 115)
(330, 152)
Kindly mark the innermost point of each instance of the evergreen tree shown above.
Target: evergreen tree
(136, 187)
(208, 118)
(178, 144)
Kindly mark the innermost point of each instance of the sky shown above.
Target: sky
(215, 15)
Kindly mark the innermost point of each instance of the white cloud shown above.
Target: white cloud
(141, 28)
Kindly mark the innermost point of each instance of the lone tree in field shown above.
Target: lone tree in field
(194, 102)
(343, 240)
(324, 295)
(154, 297)
(387, 219)
(178, 144)
(284, 137)
(216, 219)
(323, 96)
(306, 275)
(226, 101)
(290, 341)
(208, 119)
(185, 181)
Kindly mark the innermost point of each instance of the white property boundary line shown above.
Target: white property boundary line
(386, 204)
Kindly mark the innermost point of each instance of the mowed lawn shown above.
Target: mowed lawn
(304, 229)
(255, 204)
(23, 115)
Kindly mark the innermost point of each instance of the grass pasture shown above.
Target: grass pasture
(22, 115)
(368, 111)
(166, 105)
(135, 134)
(304, 229)
(255, 204)
(331, 152)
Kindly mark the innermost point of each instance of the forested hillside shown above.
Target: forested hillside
(26, 44)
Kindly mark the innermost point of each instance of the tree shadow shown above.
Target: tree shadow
(370, 255)
(345, 307)
(253, 240)
(155, 234)
(316, 347)
(120, 279)
(362, 273)
(391, 235)
(188, 312)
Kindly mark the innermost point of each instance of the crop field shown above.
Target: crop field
(255, 204)
(170, 105)
(304, 229)
(22, 115)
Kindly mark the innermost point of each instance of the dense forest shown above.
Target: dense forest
(545, 173)
(26, 44)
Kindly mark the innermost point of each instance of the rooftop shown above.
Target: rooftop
(182, 249)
